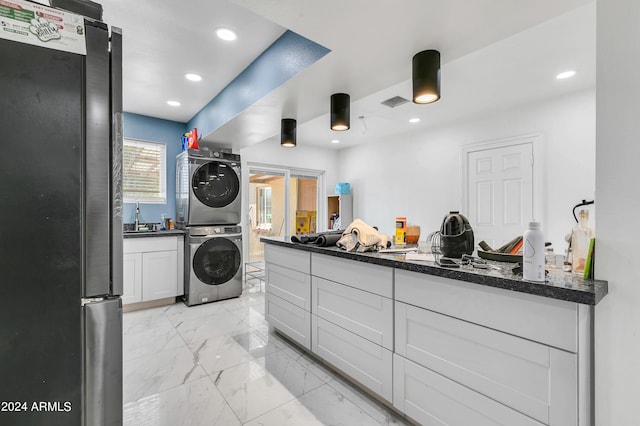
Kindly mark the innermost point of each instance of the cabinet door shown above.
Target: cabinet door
(290, 258)
(132, 278)
(434, 400)
(366, 314)
(366, 362)
(290, 285)
(364, 276)
(535, 379)
(290, 320)
(159, 275)
(548, 321)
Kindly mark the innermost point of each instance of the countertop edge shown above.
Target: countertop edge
(170, 233)
(581, 296)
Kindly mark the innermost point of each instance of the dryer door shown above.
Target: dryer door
(217, 261)
(215, 184)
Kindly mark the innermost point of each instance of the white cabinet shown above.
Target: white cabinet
(366, 314)
(132, 278)
(159, 275)
(364, 276)
(289, 319)
(445, 352)
(290, 285)
(433, 400)
(352, 319)
(288, 293)
(523, 352)
(548, 321)
(368, 363)
(152, 268)
(534, 379)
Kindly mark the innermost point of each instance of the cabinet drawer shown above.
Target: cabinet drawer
(365, 276)
(366, 314)
(287, 284)
(289, 319)
(290, 258)
(534, 379)
(366, 362)
(432, 399)
(549, 321)
(142, 244)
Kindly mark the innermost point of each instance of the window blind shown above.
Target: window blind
(144, 172)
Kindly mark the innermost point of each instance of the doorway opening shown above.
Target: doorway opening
(282, 202)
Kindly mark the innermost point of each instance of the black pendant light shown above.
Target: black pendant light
(426, 77)
(288, 132)
(340, 111)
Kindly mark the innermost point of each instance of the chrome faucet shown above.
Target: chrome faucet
(137, 219)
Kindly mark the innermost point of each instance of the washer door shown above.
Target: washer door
(216, 261)
(215, 184)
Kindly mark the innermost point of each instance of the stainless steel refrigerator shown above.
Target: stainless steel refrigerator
(61, 227)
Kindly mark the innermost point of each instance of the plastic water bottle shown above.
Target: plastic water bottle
(533, 258)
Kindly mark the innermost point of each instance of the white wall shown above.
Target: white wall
(304, 157)
(617, 316)
(419, 175)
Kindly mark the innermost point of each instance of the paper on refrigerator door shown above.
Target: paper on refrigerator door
(43, 26)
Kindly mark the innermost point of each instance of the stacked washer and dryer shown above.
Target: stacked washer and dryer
(208, 209)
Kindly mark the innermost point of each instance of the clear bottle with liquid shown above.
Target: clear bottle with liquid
(580, 240)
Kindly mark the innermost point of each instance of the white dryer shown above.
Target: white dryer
(213, 264)
(207, 188)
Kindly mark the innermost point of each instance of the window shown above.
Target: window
(264, 207)
(144, 172)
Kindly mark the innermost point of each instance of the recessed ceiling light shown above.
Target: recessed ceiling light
(225, 34)
(173, 103)
(193, 77)
(335, 141)
(565, 74)
(414, 120)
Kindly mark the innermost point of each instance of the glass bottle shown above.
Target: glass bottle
(580, 240)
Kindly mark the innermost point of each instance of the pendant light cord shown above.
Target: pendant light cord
(364, 124)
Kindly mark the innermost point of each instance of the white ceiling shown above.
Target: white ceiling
(164, 40)
(489, 60)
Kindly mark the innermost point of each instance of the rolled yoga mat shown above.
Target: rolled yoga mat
(328, 240)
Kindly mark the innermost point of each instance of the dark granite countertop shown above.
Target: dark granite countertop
(146, 234)
(559, 285)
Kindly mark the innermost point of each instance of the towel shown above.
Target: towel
(360, 237)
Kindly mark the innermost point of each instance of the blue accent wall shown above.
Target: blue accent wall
(286, 57)
(168, 132)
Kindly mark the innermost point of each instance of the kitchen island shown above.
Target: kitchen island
(443, 346)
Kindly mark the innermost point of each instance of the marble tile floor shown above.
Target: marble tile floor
(218, 364)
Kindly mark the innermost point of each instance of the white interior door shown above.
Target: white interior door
(499, 182)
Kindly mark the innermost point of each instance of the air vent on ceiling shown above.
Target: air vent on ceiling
(395, 101)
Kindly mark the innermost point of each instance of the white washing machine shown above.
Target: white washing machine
(207, 188)
(213, 263)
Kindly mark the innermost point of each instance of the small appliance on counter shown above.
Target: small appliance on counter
(456, 235)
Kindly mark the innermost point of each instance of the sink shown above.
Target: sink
(139, 231)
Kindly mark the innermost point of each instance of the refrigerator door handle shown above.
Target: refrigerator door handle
(97, 171)
(116, 162)
(103, 363)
